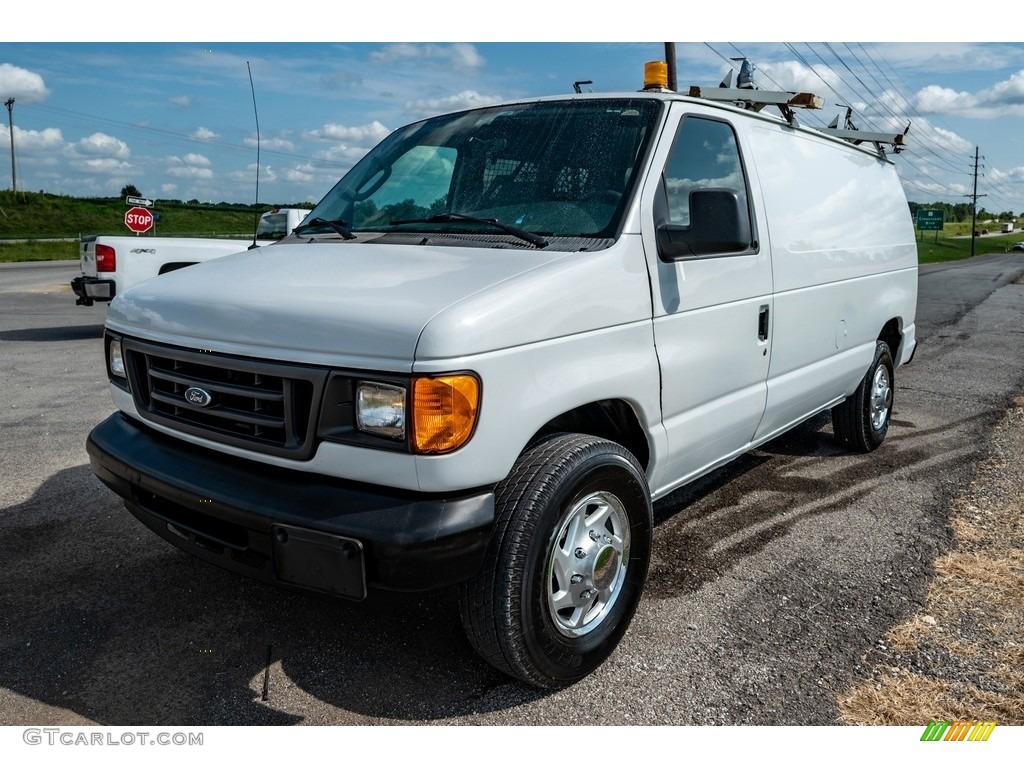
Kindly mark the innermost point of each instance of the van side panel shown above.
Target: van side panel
(844, 263)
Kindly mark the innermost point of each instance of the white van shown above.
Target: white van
(498, 339)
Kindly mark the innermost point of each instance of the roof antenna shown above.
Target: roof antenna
(256, 223)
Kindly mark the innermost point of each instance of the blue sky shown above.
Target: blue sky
(176, 119)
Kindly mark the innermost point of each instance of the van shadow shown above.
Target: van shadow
(103, 619)
(715, 523)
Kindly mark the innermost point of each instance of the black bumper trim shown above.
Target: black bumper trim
(224, 510)
(90, 289)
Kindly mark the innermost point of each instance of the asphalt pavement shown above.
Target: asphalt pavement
(770, 579)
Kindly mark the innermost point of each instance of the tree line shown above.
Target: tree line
(960, 212)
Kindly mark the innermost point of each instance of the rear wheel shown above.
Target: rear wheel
(862, 420)
(567, 563)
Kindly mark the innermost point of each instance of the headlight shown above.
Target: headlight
(115, 359)
(380, 409)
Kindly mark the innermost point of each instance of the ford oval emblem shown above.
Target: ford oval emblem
(197, 396)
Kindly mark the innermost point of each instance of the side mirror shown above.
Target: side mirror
(718, 225)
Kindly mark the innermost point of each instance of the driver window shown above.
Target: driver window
(704, 156)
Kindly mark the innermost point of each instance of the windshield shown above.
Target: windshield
(555, 168)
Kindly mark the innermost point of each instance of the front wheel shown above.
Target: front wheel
(567, 563)
(862, 420)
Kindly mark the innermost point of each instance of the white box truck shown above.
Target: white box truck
(496, 341)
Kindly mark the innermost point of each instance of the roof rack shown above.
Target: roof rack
(756, 100)
(748, 96)
(854, 135)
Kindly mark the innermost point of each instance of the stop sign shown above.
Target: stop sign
(138, 219)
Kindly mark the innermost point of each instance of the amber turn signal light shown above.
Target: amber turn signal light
(444, 411)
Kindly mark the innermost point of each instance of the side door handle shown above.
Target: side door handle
(762, 323)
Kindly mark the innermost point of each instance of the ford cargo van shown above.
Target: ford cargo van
(498, 339)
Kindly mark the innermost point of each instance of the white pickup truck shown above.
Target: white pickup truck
(112, 263)
(502, 336)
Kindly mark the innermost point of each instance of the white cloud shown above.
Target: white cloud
(298, 175)
(33, 142)
(341, 155)
(462, 100)
(99, 153)
(106, 165)
(937, 57)
(1003, 99)
(18, 83)
(455, 55)
(204, 134)
(191, 166)
(793, 76)
(189, 172)
(281, 144)
(950, 141)
(169, 190)
(180, 101)
(936, 99)
(368, 134)
(102, 144)
(1008, 92)
(248, 176)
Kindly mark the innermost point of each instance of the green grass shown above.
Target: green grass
(33, 250)
(37, 216)
(40, 215)
(950, 249)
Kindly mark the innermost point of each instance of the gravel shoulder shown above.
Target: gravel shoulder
(961, 656)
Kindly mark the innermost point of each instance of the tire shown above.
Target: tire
(861, 421)
(567, 562)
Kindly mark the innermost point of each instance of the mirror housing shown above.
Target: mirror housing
(718, 225)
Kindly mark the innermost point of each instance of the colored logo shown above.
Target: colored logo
(198, 396)
(959, 730)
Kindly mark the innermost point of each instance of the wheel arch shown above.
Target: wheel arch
(892, 335)
(611, 419)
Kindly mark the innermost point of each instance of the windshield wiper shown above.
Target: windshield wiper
(338, 225)
(443, 218)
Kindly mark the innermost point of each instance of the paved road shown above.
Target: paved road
(769, 579)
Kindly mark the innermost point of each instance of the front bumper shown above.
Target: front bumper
(287, 527)
(90, 289)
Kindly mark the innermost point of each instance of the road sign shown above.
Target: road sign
(143, 201)
(138, 220)
(929, 220)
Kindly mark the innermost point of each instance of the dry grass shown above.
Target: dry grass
(966, 646)
(907, 699)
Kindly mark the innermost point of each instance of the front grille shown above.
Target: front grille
(255, 404)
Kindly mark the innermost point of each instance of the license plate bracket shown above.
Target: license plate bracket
(321, 561)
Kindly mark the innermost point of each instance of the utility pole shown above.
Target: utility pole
(670, 60)
(974, 202)
(10, 122)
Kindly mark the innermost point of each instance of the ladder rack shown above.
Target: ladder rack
(755, 100)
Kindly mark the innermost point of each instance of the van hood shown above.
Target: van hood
(358, 304)
(384, 306)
